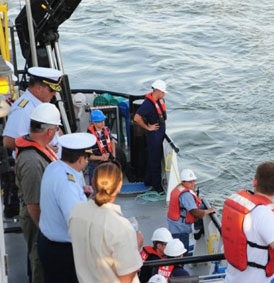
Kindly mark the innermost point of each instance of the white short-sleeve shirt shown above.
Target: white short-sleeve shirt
(104, 243)
(18, 123)
(258, 228)
(61, 189)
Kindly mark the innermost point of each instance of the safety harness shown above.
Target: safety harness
(99, 141)
(166, 271)
(25, 142)
(147, 251)
(236, 207)
(174, 210)
(161, 110)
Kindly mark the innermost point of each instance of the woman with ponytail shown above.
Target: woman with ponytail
(105, 245)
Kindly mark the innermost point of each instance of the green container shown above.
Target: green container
(116, 100)
(102, 100)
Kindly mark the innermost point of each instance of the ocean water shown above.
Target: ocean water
(217, 57)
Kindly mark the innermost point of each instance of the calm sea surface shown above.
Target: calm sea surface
(217, 58)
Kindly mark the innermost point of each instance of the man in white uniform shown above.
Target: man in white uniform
(43, 84)
(248, 230)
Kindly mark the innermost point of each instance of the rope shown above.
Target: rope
(151, 196)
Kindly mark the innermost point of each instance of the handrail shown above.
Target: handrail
(213, 217)
(171, 143)
(101, 91)
(16, 229)
(184, 260)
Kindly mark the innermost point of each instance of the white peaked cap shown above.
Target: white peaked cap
(77, 141)
(47, 73)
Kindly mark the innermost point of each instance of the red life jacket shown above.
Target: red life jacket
(166, 271)
(99, 142)
(161, 112)
(24, 142)
(236, 207)
(174, 210)
(147, 251)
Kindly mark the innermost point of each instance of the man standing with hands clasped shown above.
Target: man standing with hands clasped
(32, 157)
(151, 116)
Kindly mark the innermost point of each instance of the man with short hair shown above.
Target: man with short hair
(32, 157)
(151, 116)
(61, 188)
(43, 84)
(248, 230)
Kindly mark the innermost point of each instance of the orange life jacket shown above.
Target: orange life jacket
(174, 210)
(236, 207)
(24, 142)
(148, 250)
(166, 271)
(99, 142)
(161, 112)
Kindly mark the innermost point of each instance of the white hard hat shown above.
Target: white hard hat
(79, 99)
(162, 235)
(160, 85)
(174, 248)
(188, 175)
(157, 278)
(46, 113)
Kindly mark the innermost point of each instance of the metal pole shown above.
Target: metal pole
(58, 96)
(50, 56)
(58, 56)
(31, 34)
(184, 260)
(118, 125)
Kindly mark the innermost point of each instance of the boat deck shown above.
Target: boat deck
(150, 215)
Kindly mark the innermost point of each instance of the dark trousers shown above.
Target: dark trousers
(57, 261)
(154, 159)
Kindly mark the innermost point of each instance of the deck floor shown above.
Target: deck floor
(150, 215)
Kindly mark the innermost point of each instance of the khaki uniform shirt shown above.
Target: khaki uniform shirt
(104, 243)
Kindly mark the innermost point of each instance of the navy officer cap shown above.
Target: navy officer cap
(78, 141)
(48, 76)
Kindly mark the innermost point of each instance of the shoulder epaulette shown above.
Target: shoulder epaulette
(70, 177)
(23, 103)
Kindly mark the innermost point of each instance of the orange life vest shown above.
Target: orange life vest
(24, 142)
(161, 112)
(166, 271)
(99, 142)
(236, 207)
(174, 211)
(148, 250)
